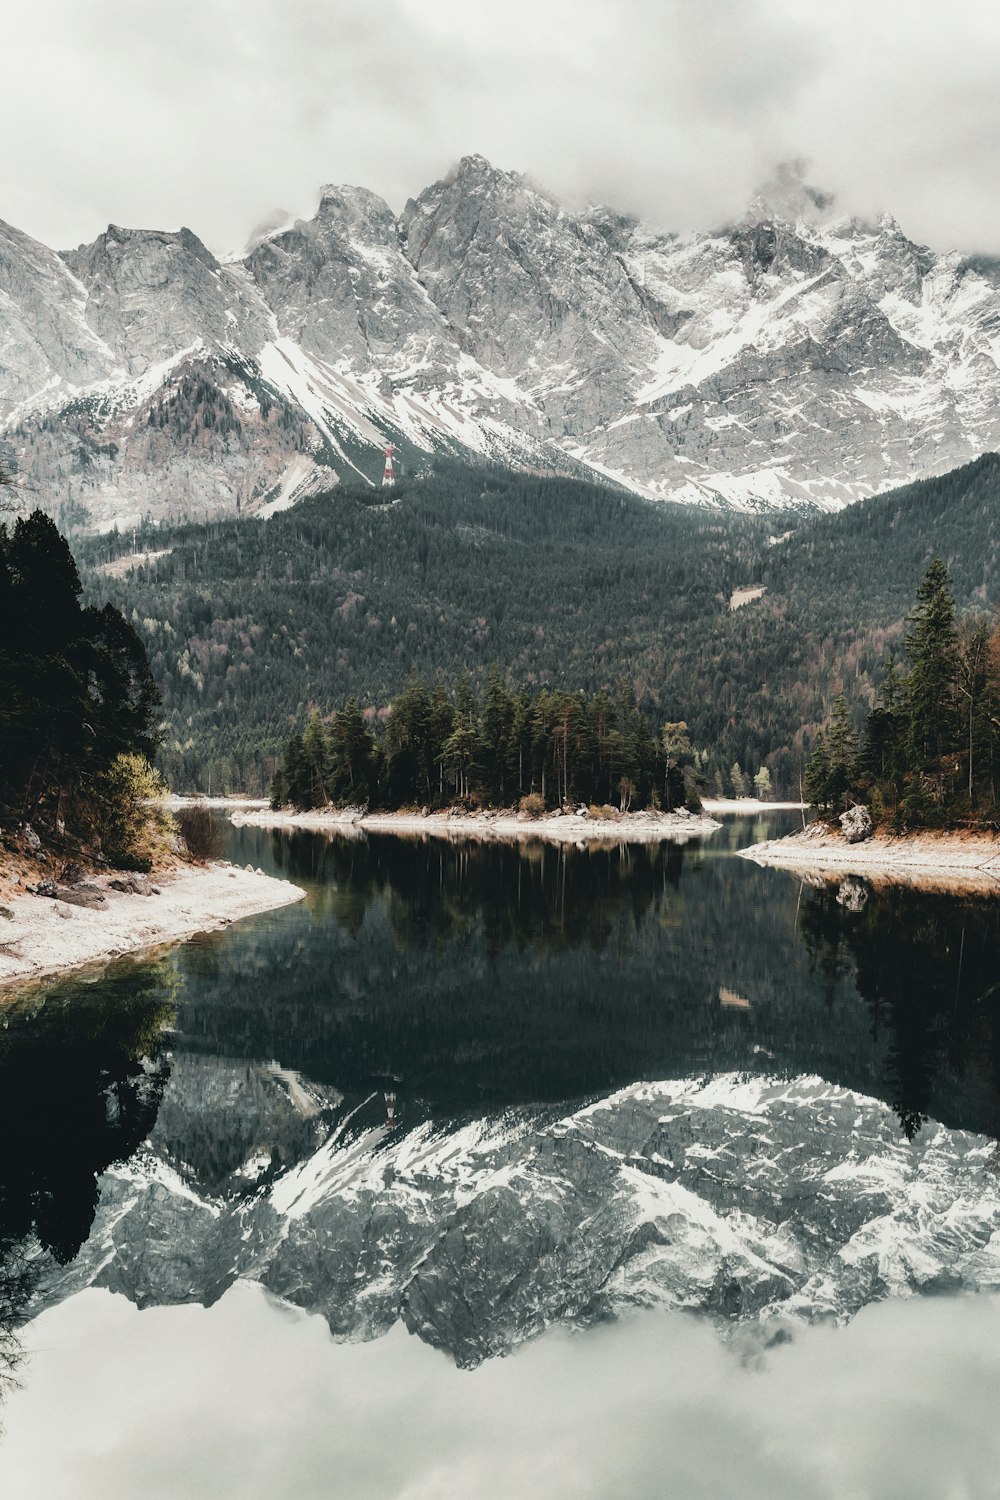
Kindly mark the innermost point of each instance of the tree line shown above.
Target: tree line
(250, 625)
(536, 748)
(929, 751)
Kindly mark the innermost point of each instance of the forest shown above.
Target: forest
(78, 704)
(531, 749)
(929, 754)
(253, 625)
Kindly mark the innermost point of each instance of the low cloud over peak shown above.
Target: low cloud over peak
(207, 111)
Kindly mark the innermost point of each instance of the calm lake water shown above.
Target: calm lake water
(424, 985)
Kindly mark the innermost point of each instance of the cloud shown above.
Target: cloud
(214, 112)
(250, 1399)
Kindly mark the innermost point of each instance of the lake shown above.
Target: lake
(470, 1099)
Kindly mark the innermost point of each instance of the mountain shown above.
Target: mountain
(792, 359)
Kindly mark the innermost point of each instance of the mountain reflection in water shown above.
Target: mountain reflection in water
(469, 978)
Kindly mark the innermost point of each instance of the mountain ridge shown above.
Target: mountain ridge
(799, 361)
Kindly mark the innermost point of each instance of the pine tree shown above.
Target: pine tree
(519, 743)
(498, 713)
(678, 752)
(412, 772)
(932, 649)
(843, 753)
(817, 777)
(352, 759)
(315, 751)
(440, 724)
(973, 687)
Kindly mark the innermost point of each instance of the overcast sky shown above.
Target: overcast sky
(251, 1401)
(214, 113)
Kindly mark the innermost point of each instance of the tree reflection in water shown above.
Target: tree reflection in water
(82, 1073)
(928, 967)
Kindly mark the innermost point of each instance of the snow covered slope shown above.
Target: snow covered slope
(791, 359)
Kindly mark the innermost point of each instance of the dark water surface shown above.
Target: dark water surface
(463, 980)
(467, 978)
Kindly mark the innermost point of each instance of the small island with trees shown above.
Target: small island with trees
(525, 761)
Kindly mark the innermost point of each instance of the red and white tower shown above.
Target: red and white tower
(388, 477)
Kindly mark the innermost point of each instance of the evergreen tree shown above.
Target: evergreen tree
(519, 744)
(817, 785)
(498, 712)
(353, 772)
(974, 699)
(931, 683)
(315, 751)
(409, 752)
(441, 724)
(842, 755)
(76, 691)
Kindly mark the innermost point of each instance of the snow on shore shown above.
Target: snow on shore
(737, 805)
(567, 828)
(43, 936)
(214, 804)
(945, 861)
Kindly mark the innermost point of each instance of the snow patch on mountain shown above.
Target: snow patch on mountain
(790, 360)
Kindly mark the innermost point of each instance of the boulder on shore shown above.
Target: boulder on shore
(856, 824)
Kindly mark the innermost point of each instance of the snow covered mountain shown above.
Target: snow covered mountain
(790, 359)
(745, 1200)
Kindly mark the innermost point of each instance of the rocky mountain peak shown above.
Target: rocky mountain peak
(118, 243)
(358, 212)
(790, 358)
(44, 337)
(475, 172)
(151, 293)
(532, 291)
(615, 228)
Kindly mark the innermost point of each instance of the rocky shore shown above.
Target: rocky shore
(953, 861)
(581, 827)
(66, 927)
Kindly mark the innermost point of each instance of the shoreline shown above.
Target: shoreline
(174, 801)
(557, 828)
(953, 862)
(44, 938)
(734, 806)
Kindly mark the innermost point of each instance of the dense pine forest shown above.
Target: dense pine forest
(252, 625)
(534, 749)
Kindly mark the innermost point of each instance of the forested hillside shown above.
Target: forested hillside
(251, 625)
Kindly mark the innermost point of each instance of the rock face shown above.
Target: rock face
(856, 824)
(791, 359)
(741, 1200)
